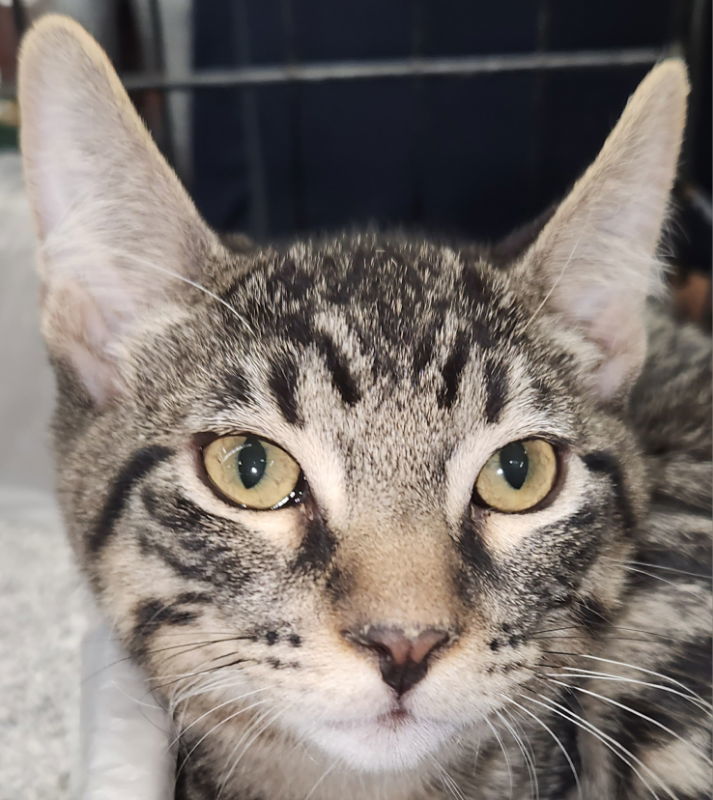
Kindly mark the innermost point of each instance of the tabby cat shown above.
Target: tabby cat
(381, 517)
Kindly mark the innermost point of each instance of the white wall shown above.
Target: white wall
(26, 384)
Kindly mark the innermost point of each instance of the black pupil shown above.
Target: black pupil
(514, 464)
(252, 460)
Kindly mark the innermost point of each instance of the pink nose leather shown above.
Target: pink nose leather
(403, 660)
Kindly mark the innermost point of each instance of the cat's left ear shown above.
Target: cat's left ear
(594, 263)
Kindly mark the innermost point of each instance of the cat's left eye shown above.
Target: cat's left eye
(252, 472)
(518, 477)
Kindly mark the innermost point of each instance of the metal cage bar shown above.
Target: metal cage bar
(461, 66)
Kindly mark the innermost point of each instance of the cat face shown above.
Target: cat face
(349, 491)
(391, 418)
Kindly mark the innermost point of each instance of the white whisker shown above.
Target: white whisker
(528, 756)
(215, 728)
(270, 720)
(661, 567)
(630, 710)
(635, 668)
(559, 744)
(505, 755)
(212, 710)
(578, 672)
(608, 741)
(319, 781)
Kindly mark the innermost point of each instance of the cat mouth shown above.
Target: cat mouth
(393, 720)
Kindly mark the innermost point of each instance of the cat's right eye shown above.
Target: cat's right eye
(252, 472)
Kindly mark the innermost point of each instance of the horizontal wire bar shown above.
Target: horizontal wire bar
(395, 68)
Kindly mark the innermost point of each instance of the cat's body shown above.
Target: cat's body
(402, 624)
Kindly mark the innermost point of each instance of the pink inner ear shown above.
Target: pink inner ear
(610, 314)
(77, 332)
(621, 333)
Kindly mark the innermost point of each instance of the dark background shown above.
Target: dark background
(470, 155)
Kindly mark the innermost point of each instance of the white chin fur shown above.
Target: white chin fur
(376, 747)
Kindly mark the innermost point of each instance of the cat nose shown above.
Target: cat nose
(403, 660)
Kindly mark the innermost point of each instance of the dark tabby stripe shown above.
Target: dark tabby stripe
(591, 615)
(606, 464)
(135, 469)
(237, 388)
(202, 561)
(496, 388)
(695, 565)
(152, 614)
(452, 371)
(474, 287)
(175, 512)
(422, 355)
(342, 379)
(674, 505)
(283, 385)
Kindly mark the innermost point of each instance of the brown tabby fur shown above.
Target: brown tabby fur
(391, 368)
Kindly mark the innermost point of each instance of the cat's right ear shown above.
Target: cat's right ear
(118, 232)
(595, 260)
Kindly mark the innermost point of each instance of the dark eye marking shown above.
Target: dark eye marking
(453, 370)
(476, 564)
(136, 468)
(338, 584)
(606, 464)
(472, 548)
(317, 548)
(342, 379)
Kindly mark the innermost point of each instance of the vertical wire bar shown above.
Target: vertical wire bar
(539, 94)
(694, 49)
(251, 130)
(418, 148)
(298, 218)
(19, 16)
(177, 58)
(158, 59)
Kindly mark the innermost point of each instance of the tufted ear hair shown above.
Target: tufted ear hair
(118, 232)
(595, 261)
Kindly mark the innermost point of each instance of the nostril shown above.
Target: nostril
(403, 660)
